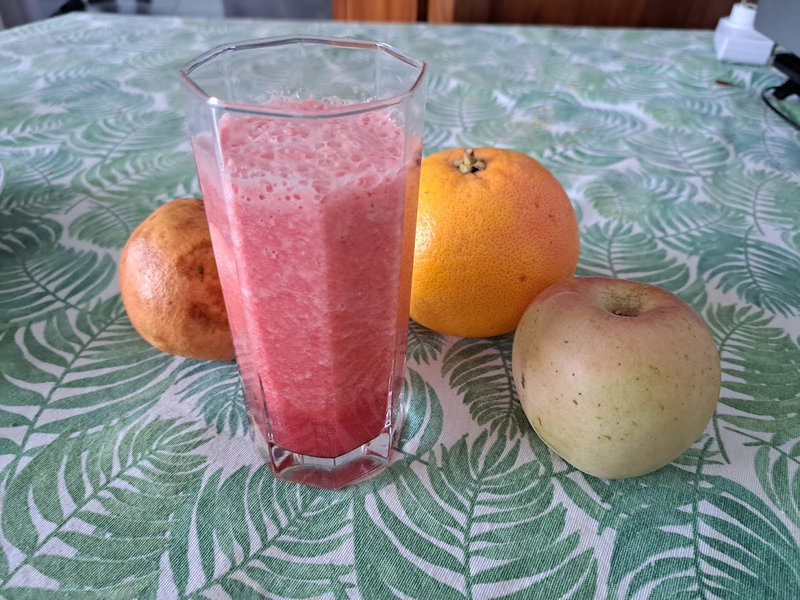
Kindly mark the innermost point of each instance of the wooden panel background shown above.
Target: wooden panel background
(376, 10)
(702, 14)
(693, 14)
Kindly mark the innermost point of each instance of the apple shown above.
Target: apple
(617, 377)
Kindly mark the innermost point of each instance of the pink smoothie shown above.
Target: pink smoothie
(307, 222)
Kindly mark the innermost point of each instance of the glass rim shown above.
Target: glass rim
(329, 111)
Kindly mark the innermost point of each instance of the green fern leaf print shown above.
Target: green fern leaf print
(463, 533)
(480, 369)
(94, 509)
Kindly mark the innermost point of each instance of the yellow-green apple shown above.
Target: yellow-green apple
(617, 377)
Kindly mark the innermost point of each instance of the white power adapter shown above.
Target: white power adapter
(735, 39)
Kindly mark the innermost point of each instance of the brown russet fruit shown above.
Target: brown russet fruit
(170, 286)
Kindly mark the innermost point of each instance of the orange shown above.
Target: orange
(494, 228)
(169, 283)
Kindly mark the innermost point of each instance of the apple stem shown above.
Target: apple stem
(470, 163)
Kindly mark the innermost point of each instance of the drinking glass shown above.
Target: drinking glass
(307, 152)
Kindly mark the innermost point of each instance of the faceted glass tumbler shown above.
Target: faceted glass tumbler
(307, 152)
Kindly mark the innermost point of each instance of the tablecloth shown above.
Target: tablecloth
(129, 473)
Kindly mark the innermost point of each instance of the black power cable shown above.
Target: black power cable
(789, 64)
(780, 92)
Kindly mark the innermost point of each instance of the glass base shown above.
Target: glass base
(328, 473)
(335, 473)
